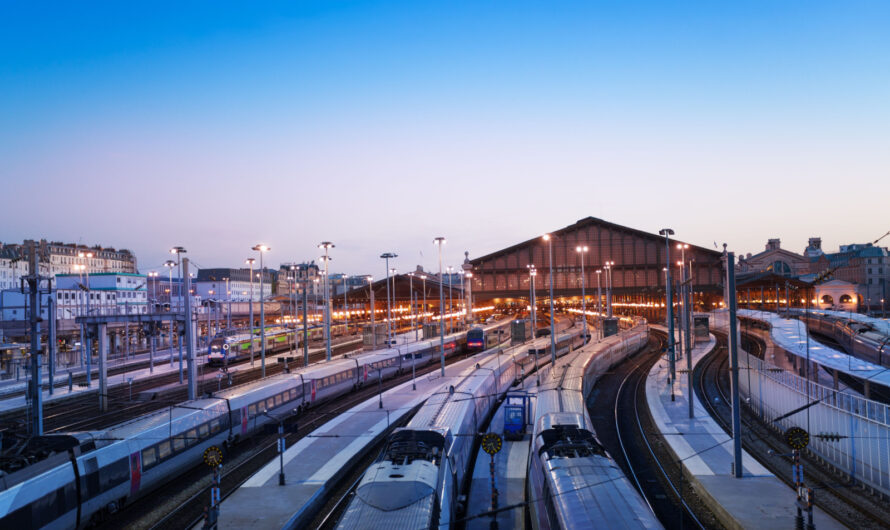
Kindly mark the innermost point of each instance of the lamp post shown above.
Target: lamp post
(87, 343)
(395, 329)
(532, 272)
(608, 267)
(583, 250)
(170, 264)
(371, 307)
(423, 311)
(327, 245)
(599, 298)
(386, 256)
(667, 232)
(345, 306)
(411, 296)
(262, 249)
(250, 262)
(179, 251)
(440, 242)
(450, 298)
(549, 239)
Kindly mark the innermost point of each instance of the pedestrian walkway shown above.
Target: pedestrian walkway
(758, 499)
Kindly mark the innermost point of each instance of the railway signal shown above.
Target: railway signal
(491, 444)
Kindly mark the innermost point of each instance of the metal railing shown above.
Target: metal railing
(847, 431)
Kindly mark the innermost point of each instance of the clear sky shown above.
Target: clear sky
(381, 125)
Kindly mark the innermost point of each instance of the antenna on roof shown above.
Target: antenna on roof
(875, 242)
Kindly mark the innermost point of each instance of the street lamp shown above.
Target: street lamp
(262, 249)
(423, 310)
(669, 299)
(583, 250)
(327, 245)
(250, 262)
(549, 239)
(387, 256)
(532, 272)
(440, 242)
(450, 298)
(179, 251)
(608, 267)
(395, 329)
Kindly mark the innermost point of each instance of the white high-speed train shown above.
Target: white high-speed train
(93, 474)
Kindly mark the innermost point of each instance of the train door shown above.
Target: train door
(135, 472)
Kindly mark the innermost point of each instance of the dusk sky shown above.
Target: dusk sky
(381, 125)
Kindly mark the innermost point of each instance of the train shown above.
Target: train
(417, 480)
(90, 475)
(478, 339)
(858, 338)
(572, 480)
(228, 348)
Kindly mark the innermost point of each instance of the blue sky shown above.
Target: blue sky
(380, 125)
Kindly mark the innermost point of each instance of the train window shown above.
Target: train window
(149, 458)
(191, 437)
(203, 431)
(251, 411)
(270, 403)
(278, 400)
(178, 443)
(164, 450)
(214, 426)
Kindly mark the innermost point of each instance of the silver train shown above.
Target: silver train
(859, 339)
(572, 480)
(91, 475)
(417, 481)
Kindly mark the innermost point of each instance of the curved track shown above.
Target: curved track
(849, 504)
(630, 436)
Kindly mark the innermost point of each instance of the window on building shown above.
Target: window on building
(827, 299)
(846, 299)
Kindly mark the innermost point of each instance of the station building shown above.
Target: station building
(637, 276)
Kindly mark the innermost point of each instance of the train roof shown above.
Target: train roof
(595, 489)
(144, 425)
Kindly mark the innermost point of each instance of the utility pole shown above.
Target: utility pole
(734, 367)
(305, 324)
(189, 333)
(669, 300)
(34, 388)
(327, 245)
(440, 241)
(52, 344)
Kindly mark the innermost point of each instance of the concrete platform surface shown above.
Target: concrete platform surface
(759, 499)
(315, 464)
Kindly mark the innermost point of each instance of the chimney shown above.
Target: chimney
(773, 244)
(815, 243)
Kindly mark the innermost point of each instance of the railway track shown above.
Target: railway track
(184, 507)
(81, 412)
(850, 504)
(623, 425)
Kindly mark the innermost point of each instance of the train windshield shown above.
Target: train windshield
(407, 446)
(568, 441)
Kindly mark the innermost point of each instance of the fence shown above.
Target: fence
(862, 448)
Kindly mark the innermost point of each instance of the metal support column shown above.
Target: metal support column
(103, 367)
(191, 365)
(34, 387)
(734, 367)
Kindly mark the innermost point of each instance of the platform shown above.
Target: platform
(511, 470)
(315, 464)
(758, 499)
